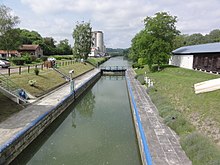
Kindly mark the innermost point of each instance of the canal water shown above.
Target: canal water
(97, 130)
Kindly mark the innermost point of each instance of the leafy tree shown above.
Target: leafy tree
(179, 41)
(162, 32)
(195, 39)
(82, 35)
(10, 40)
(49, 46)
(8, 35)
(64, 48)
(29, 37)
(139, 46)
(154, 44)
(7, 20)
(214, 36)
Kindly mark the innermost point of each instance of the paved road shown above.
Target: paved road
(163, 143)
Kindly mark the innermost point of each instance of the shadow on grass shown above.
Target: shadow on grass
(161, 68)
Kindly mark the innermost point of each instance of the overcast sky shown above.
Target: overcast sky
(120, 20)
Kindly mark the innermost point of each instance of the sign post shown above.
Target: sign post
(71, 81)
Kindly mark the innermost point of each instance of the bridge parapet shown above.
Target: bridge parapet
(113, 70)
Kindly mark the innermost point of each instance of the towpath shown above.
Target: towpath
(163, 143)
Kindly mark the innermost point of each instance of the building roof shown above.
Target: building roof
(198, 49)
(10, 52)
(28, 47)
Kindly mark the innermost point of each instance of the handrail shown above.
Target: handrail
(10, 87)
(114, 67)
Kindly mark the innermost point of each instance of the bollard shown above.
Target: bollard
(28, 68)
(19, 69)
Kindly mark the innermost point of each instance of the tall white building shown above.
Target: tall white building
(98, 46)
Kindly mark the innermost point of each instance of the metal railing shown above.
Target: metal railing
(10, 87)
(113, 67)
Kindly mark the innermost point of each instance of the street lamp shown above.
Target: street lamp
(71, 72)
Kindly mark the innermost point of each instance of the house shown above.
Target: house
(31, 49)
(11, 53)
(205, 57)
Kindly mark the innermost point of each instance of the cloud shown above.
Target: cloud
(120, 20)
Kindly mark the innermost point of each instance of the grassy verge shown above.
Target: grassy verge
(96, 61)
(187, 113)
(47, 78)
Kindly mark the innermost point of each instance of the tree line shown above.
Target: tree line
(11, 38)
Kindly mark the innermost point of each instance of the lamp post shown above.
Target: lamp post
(71, 81)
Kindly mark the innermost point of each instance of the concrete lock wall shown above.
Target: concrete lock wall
(26, 136)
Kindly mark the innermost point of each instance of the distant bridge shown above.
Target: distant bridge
(113, 70)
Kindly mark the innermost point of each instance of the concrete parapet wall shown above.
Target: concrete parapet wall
(22, 139)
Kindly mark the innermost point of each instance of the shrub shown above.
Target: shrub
(36, 71)
(43, 58)
(140, 78)
(18, 61)
(33, 58)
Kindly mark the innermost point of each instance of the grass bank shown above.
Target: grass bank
(195, 118)
(97, 61)
(47, 79)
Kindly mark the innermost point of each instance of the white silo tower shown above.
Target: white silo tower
(99, 40)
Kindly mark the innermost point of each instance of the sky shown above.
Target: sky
(119, 20)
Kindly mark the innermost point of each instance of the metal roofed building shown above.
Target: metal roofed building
(205, 57)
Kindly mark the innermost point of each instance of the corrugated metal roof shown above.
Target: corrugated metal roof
(203, 48)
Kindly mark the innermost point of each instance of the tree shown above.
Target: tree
(64, 48)
(82, 35)
(195, 39)
(8, 35)
(214, 36)
(49, 46)
(162, 31)
(10, 40)
(7, 20)
(29, 37)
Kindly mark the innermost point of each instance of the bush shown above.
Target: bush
(43, 58)
(136, 65)
(36, 71)
(18, 61)
(140, 78)
(33, 58)
(27, 58)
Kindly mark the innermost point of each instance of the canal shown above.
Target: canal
(97, 130)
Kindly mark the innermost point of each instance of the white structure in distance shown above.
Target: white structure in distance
(98, 48)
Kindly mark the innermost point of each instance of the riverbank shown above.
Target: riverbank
(20, 129)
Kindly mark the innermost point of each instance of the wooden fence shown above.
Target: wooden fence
(45, 65)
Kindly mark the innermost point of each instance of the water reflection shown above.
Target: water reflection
(85, 108)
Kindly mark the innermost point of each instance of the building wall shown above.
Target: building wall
(183, 61)
(207, 62)
(98, 47)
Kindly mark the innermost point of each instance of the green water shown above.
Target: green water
(98, 130)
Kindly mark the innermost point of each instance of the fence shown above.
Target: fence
(20, 69)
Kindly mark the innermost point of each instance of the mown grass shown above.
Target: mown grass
(96, 61)
(174, 96)
(47, 79)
